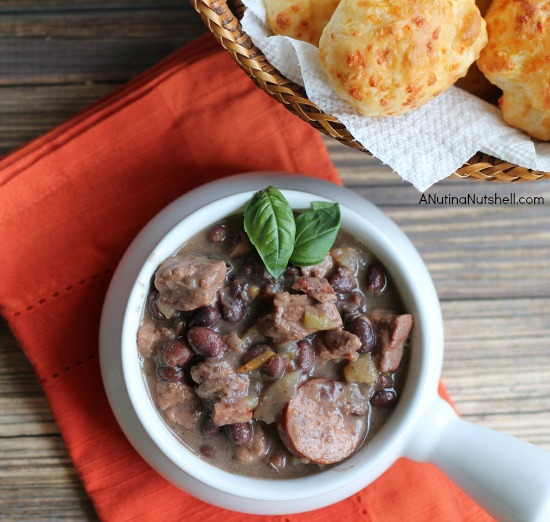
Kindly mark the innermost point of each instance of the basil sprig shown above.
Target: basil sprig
(269, 224)
(280, 238)
(316, 230)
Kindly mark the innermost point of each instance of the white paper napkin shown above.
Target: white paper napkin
(423, 146)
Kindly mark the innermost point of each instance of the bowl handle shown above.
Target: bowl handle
(508, 477)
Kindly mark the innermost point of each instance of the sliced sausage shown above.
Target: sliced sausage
(324, 423)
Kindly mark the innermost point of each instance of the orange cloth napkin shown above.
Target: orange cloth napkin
(70, 204)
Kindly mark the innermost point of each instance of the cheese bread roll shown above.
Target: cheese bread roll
(517, 59)
(387, 57)
(300, 19)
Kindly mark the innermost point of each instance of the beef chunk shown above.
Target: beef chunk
(150, 337)
(297, 316)
(336, 344)
(189, 282)
(317, 287)
(179, 403)
(218, 381)
(320, 270)
(231, 412)
(392, 332)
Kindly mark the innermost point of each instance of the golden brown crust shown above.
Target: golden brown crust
(387, 57)
(517, 59)
(300, 19)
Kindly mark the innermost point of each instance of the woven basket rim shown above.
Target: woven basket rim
(222, 20)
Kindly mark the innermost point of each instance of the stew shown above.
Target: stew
(272, 377)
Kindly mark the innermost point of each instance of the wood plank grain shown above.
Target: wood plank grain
(27, 112)
(26, 6)
(38, 481)
(483, 251)
(477, 251)
(144, 23)
(25, 61)
(24, 410)
(37, 478)
(497, 368)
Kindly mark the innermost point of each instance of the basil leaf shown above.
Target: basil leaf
(316, 205)
(269, 224)
(316, 231)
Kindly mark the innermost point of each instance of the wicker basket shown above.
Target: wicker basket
(222, 19)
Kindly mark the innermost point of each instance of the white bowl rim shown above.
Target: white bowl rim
(394, 250)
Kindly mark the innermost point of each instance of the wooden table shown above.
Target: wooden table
(490, 263)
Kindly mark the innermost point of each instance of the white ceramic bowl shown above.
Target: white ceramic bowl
(508, 477)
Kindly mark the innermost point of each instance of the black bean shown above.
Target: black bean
(342, 281)
(240, 434)
(239, 288)
(254, 351)
(384, 381)
(232, 309)
(206, 316)
(274, 368)
(376, 278)
(179, 327)
(152, 306)
(228, 266)
(177, 353)
(293, 271)
(205, 342)
(305, 358)
(253, 267)
(363, 328)
(383, 398)
(356, 298)
(208, 451)
(278, 461)
(209, 428)
(167, 373)
(217, 233)
(349, 314)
